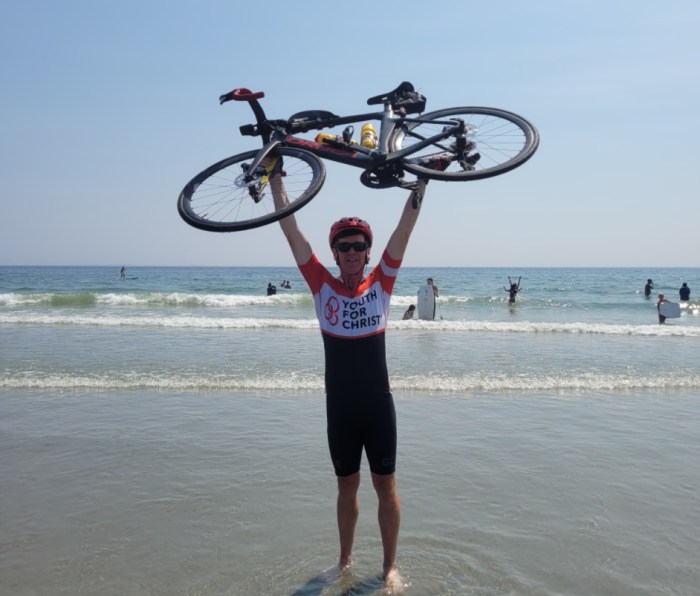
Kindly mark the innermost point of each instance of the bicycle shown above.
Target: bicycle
(233, 194)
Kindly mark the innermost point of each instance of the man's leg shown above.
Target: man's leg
(348, 512)
(389, 517)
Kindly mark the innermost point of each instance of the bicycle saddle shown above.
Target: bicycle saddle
(402, 88)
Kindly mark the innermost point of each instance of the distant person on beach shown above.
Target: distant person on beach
(648, 288)
(409, 313)
(662, 319)
(123, 272)
(271, 290)
(513, 291)
(684, 292)
(352, 311)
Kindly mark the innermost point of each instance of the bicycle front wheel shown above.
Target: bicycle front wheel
(502, 140)
(221, 200)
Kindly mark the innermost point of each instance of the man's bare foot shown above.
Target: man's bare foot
(333, 573)
(393, 582)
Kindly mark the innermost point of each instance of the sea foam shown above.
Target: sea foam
(559, 381)
(152, 299)
(458, 326)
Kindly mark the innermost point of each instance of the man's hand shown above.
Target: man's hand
(273, 165)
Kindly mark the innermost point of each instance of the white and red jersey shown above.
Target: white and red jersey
(353, 324)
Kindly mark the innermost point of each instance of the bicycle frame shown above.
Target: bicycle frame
(354, 155)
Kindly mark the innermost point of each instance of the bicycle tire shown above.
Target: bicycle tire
(531, 142)
(189, 213)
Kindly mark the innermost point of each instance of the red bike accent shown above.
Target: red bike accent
(244, 94)
(312, 145)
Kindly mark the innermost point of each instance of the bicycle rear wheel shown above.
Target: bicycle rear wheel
(503, 140)
(220, 200)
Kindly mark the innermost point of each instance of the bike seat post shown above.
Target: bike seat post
(387, 127)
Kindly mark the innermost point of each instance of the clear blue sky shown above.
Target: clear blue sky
(108, 108)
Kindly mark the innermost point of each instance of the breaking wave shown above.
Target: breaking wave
(152, 299)
(463, 326)
(309, 382)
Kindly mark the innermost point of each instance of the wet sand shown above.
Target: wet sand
(233, 493)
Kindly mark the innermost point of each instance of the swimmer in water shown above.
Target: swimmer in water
(648, 288)
(513, 291)
(409, 313)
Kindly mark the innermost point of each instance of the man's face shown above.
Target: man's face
(351, 262)
(430, 282)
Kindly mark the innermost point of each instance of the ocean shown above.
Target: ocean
(165, 434)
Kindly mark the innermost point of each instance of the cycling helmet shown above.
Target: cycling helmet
(350, 223)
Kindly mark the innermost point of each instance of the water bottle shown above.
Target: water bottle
(368, 136)
(322, 136)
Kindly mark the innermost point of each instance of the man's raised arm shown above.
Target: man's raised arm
(301, 249)
(399, 239)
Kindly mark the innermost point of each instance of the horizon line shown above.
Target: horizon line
(402, 267)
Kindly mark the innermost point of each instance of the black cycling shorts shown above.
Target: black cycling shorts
(356, 421)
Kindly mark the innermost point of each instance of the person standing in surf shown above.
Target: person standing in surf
(662, 319)
(435, 293)
(352, 310)
(684, 292)
(123, 272)
(435, 288)
(648, 288)
(513, 291)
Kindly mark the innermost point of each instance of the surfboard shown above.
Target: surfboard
(425, 308)
(670, 310)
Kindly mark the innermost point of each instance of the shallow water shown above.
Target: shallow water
(198, 493)
(178, 329)
(166, 435)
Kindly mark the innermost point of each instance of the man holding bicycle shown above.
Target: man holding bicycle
(353, 310)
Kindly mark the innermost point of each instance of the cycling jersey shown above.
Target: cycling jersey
(353, 325)
(359, 405)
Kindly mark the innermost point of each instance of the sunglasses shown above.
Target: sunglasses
(356, 246)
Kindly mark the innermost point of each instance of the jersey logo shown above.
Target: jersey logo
(331, 309)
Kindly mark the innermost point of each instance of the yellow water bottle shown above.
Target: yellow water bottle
(322, 137)
(368, 136)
